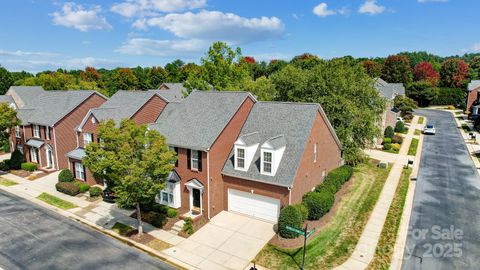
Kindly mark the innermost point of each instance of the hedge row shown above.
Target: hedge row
(315, 204)
(67, 188)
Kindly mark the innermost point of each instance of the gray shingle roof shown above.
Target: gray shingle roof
(171, 95)
(251, 138)
(198, 120)
(24, 95)
(282, 123)
(473, 85)
(173, 86)
(51, 106)
(7, 99)
(277, 142)
(77, 154)
(389, 90)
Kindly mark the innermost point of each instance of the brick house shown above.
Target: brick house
(143, 107)
(473, 98)
(47, 118)
(237, 154)
(389, 91)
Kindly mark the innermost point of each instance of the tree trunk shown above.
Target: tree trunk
(139, 220)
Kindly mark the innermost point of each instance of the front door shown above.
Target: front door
(196, 199)
(49, 158)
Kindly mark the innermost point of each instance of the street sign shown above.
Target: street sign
(295, 230)
(310, 233)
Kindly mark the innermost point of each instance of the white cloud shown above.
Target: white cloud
(322, 10)
(475, 48)
(427, 1)
(215, 25)
(154, 47)
(25, 53)
(76, 16)
(139, 8)
(371, 7)
(81, 63)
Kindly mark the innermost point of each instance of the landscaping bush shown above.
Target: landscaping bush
(389, 132)
(336, 178)
(95, 191)
(387, 146)
(28, 166)
(83, 187)
(399, 126)
(65, 176)
(395, 147)
(67, 188)
(397, 139)
(160, 208)
(318, 203)
(387, 140)
(4, 165)
(188, 226)
(303, 210)
(289, 216)
(172, 213)
(16, 160)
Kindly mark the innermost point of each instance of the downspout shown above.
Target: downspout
(55, 144)
(290, 195)
(208, 184)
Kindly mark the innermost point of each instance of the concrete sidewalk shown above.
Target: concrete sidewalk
(365, 248)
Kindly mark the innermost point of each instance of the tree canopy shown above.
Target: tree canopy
(8, 120)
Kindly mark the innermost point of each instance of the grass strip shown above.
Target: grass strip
(55, 201)
(7, 182)
(412, 149)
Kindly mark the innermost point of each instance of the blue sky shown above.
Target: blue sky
(43, 34)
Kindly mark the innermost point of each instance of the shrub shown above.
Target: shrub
(336, 178)
(387, 146)
(95, 191)
(188, 226)
(16, 160)
(303, 210)
(28, 166)
(387, 140)
(318, 203)
(172, 213)
(65, 176)
(160, 208)
(399, 126)
(83, 187)
(67, 188)
(5, 165)
(395, 146)
(289, 216)
(389, 132)
(397, 139)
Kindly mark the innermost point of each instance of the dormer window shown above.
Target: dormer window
(240, 158)
(267, 158)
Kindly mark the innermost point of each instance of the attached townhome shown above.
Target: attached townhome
(389, 91)
(240, 155)
(473, 98)
(47, 119)
(142, 107)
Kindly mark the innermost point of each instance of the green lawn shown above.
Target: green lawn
(122, 229)
(57, 202)
(7, 182)
(417, 132)
(386, 243)
(465, 128)
(412, 150)
(421, 120)
(405, 131)
(336, 240)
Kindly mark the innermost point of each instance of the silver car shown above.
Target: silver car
(429, 129)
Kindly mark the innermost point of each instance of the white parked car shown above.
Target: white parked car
(429, 129)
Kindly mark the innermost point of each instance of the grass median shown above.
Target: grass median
(7, 182)
(55, 201)
(337, 239)
(412, 149)
(384, 251)
(421, 120)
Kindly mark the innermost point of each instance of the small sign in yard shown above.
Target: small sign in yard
(295, 230)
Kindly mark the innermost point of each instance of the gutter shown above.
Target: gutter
(56, 150)
(208, 184)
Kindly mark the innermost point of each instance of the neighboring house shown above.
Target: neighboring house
(473, 98)
(175, 87)
(47, 119)
(9, 100)
(237, 154)
(389, 91)
(143, 107)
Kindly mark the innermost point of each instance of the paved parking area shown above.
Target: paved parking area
(228, 241)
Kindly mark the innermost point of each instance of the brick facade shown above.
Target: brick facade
(472, 98)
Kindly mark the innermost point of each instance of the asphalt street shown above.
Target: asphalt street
(32, 237)
(444, 230)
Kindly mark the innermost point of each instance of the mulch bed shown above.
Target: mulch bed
(20, 173)
(281, 242)
(144, 239)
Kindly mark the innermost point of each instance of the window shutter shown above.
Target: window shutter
(176, 151)
(199, 161)
(189, 157)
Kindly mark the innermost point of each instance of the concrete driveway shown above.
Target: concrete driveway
(228, 241)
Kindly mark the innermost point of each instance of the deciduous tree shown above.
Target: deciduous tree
(6, 80)
(454, 73)
(372, 68)
(8, 120)
(397, 70)
(424, 71)
(404, 104)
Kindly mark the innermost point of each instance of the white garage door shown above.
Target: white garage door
(258, 206)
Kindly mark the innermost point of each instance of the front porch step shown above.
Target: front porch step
(177, 227)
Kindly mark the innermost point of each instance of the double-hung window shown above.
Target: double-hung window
(34, 154)
(87, 138)
(47, 132)
(167, 194)
(79, 171)
(18, 132)
(240, 158)
(267, 162)
(194, 160)
(36, 131)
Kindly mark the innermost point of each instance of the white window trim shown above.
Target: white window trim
(47, 132)
(169, 193)
(33, 155)
(194, 160)
(36, 131)
(18, 132)
(237, 158)
(315, 153)
(262, 162)
(49, 149)
(85, 136)
(79, 174)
